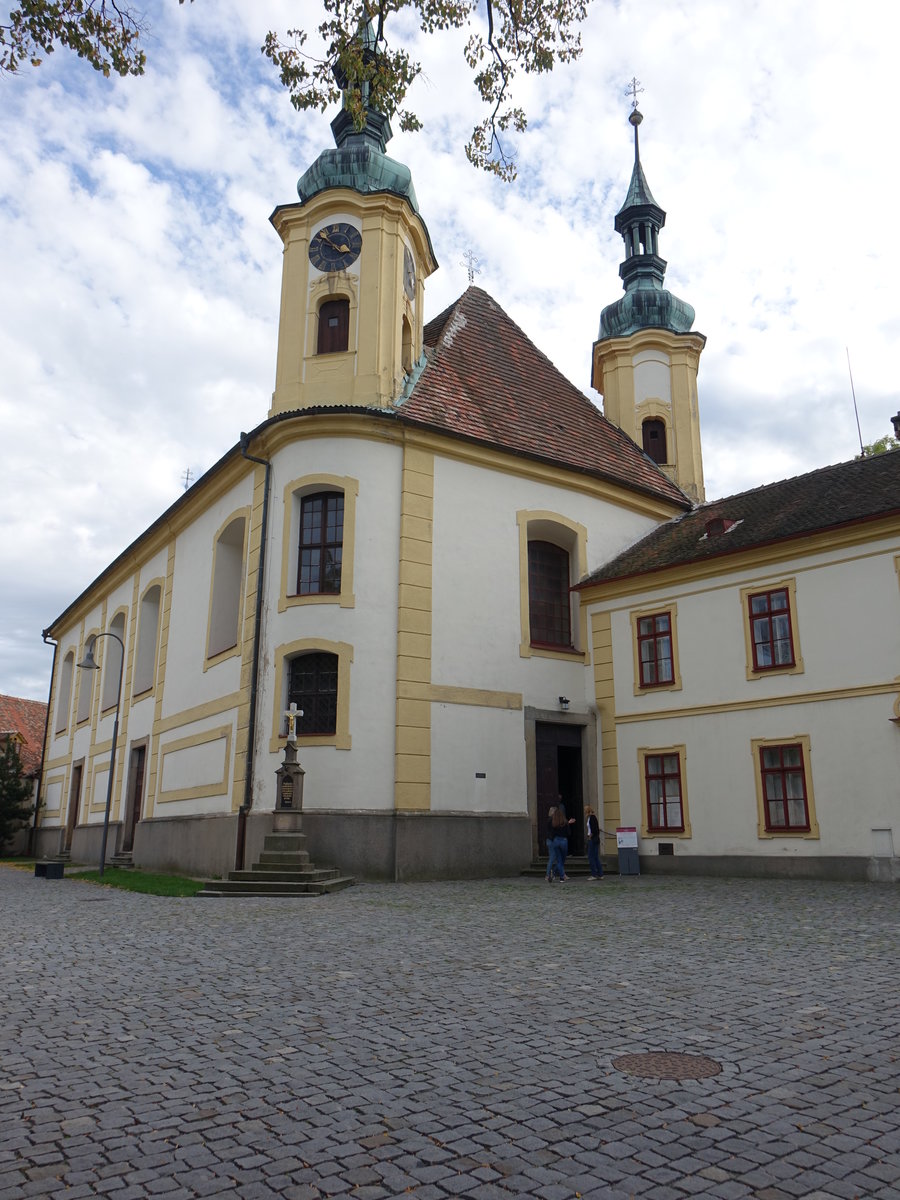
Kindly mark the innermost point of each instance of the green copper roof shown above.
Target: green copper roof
(646, 303)
(359, 162)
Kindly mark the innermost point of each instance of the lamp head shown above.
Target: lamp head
(89, 663)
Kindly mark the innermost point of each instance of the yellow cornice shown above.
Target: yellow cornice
(770, 554)
(393, 428)
(729, 706)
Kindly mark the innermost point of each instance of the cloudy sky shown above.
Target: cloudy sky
(139, 275)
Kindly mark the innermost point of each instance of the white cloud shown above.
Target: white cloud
(140, 277)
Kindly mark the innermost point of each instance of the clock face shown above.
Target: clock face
(335, 247)
(409, 273)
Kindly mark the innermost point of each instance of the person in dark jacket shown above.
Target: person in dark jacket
(592, 840)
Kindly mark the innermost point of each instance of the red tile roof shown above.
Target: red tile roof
(486, 381)
(829, 498)
(26, 718)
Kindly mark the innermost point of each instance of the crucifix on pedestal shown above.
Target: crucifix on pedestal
(289, 788)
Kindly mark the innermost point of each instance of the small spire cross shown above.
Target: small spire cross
(293, 715)
(634, 89)
(470, 262)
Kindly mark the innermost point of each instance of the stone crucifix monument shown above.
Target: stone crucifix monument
(289, 780)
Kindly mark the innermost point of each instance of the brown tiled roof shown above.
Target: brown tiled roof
(26, 718)
(486, 381)
(844, 494)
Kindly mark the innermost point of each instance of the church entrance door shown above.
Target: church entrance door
(74, 800)
(559, 774)
(134, 797)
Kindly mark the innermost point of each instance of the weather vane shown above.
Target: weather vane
(633, 89)
(470, 262)
(187, 478)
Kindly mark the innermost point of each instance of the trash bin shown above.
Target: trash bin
(627, 844)
(48, 870)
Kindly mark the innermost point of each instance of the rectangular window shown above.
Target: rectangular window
(784, 788)
(663, 790)
(771, 634)
(548, 595)
(313, 687)
(654, 634)
(321, 544)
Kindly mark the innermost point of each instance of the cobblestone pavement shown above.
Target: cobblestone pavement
(447, 1039)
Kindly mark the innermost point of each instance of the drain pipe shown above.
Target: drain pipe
(247, 804)
(32, 832)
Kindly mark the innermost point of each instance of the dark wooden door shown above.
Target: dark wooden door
(135, 796)
(558, 763)
(74, 800)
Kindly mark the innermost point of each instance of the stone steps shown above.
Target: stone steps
(576, 866)
(283, 869)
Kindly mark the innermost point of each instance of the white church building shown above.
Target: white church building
(483, 594)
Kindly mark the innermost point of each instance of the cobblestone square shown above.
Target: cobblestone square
(451, 1039)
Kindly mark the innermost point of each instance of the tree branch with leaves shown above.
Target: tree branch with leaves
(356, 59)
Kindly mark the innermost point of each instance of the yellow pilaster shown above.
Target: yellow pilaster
(412, 758)
(604, 692)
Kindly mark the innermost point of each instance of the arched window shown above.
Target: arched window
(86, 691)
(64, 697)
(406, 347)
(334, 326)
(321, 544)
(313, 687)
(549, 606)
(148, 630)
(228, 578)
(653, 432)
(112, 660)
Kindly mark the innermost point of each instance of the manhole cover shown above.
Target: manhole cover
(660, 1064)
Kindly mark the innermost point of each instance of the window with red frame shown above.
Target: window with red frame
(662, 775)
(312, 686)
(784, 788)
(321, 544)
(770, 630)
(548, 595)
(655, 649)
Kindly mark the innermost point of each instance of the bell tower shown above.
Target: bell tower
(356, 255)
(646, 358)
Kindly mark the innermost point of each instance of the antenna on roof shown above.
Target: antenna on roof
(862, 449)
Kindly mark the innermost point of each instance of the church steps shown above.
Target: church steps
(264, 887)
(282, 869)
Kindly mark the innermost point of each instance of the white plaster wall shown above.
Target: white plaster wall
(848, 605)
(476, 599)
(466, 741)
(652, 377)
(363, 778)
(855, 767)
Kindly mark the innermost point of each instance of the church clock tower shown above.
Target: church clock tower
(356, 255)
(646, 358)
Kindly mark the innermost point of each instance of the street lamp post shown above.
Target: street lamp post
(90, 664)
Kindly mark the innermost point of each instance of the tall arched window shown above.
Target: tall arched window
(321, 544)
(64, 695)
(549, 606)
(112, 660)
(653, 432)
(228, 578)
(334, 326)
(313, 687)
(148, 630)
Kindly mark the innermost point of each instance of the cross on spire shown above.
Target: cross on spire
(633, 89)
(470, 262)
